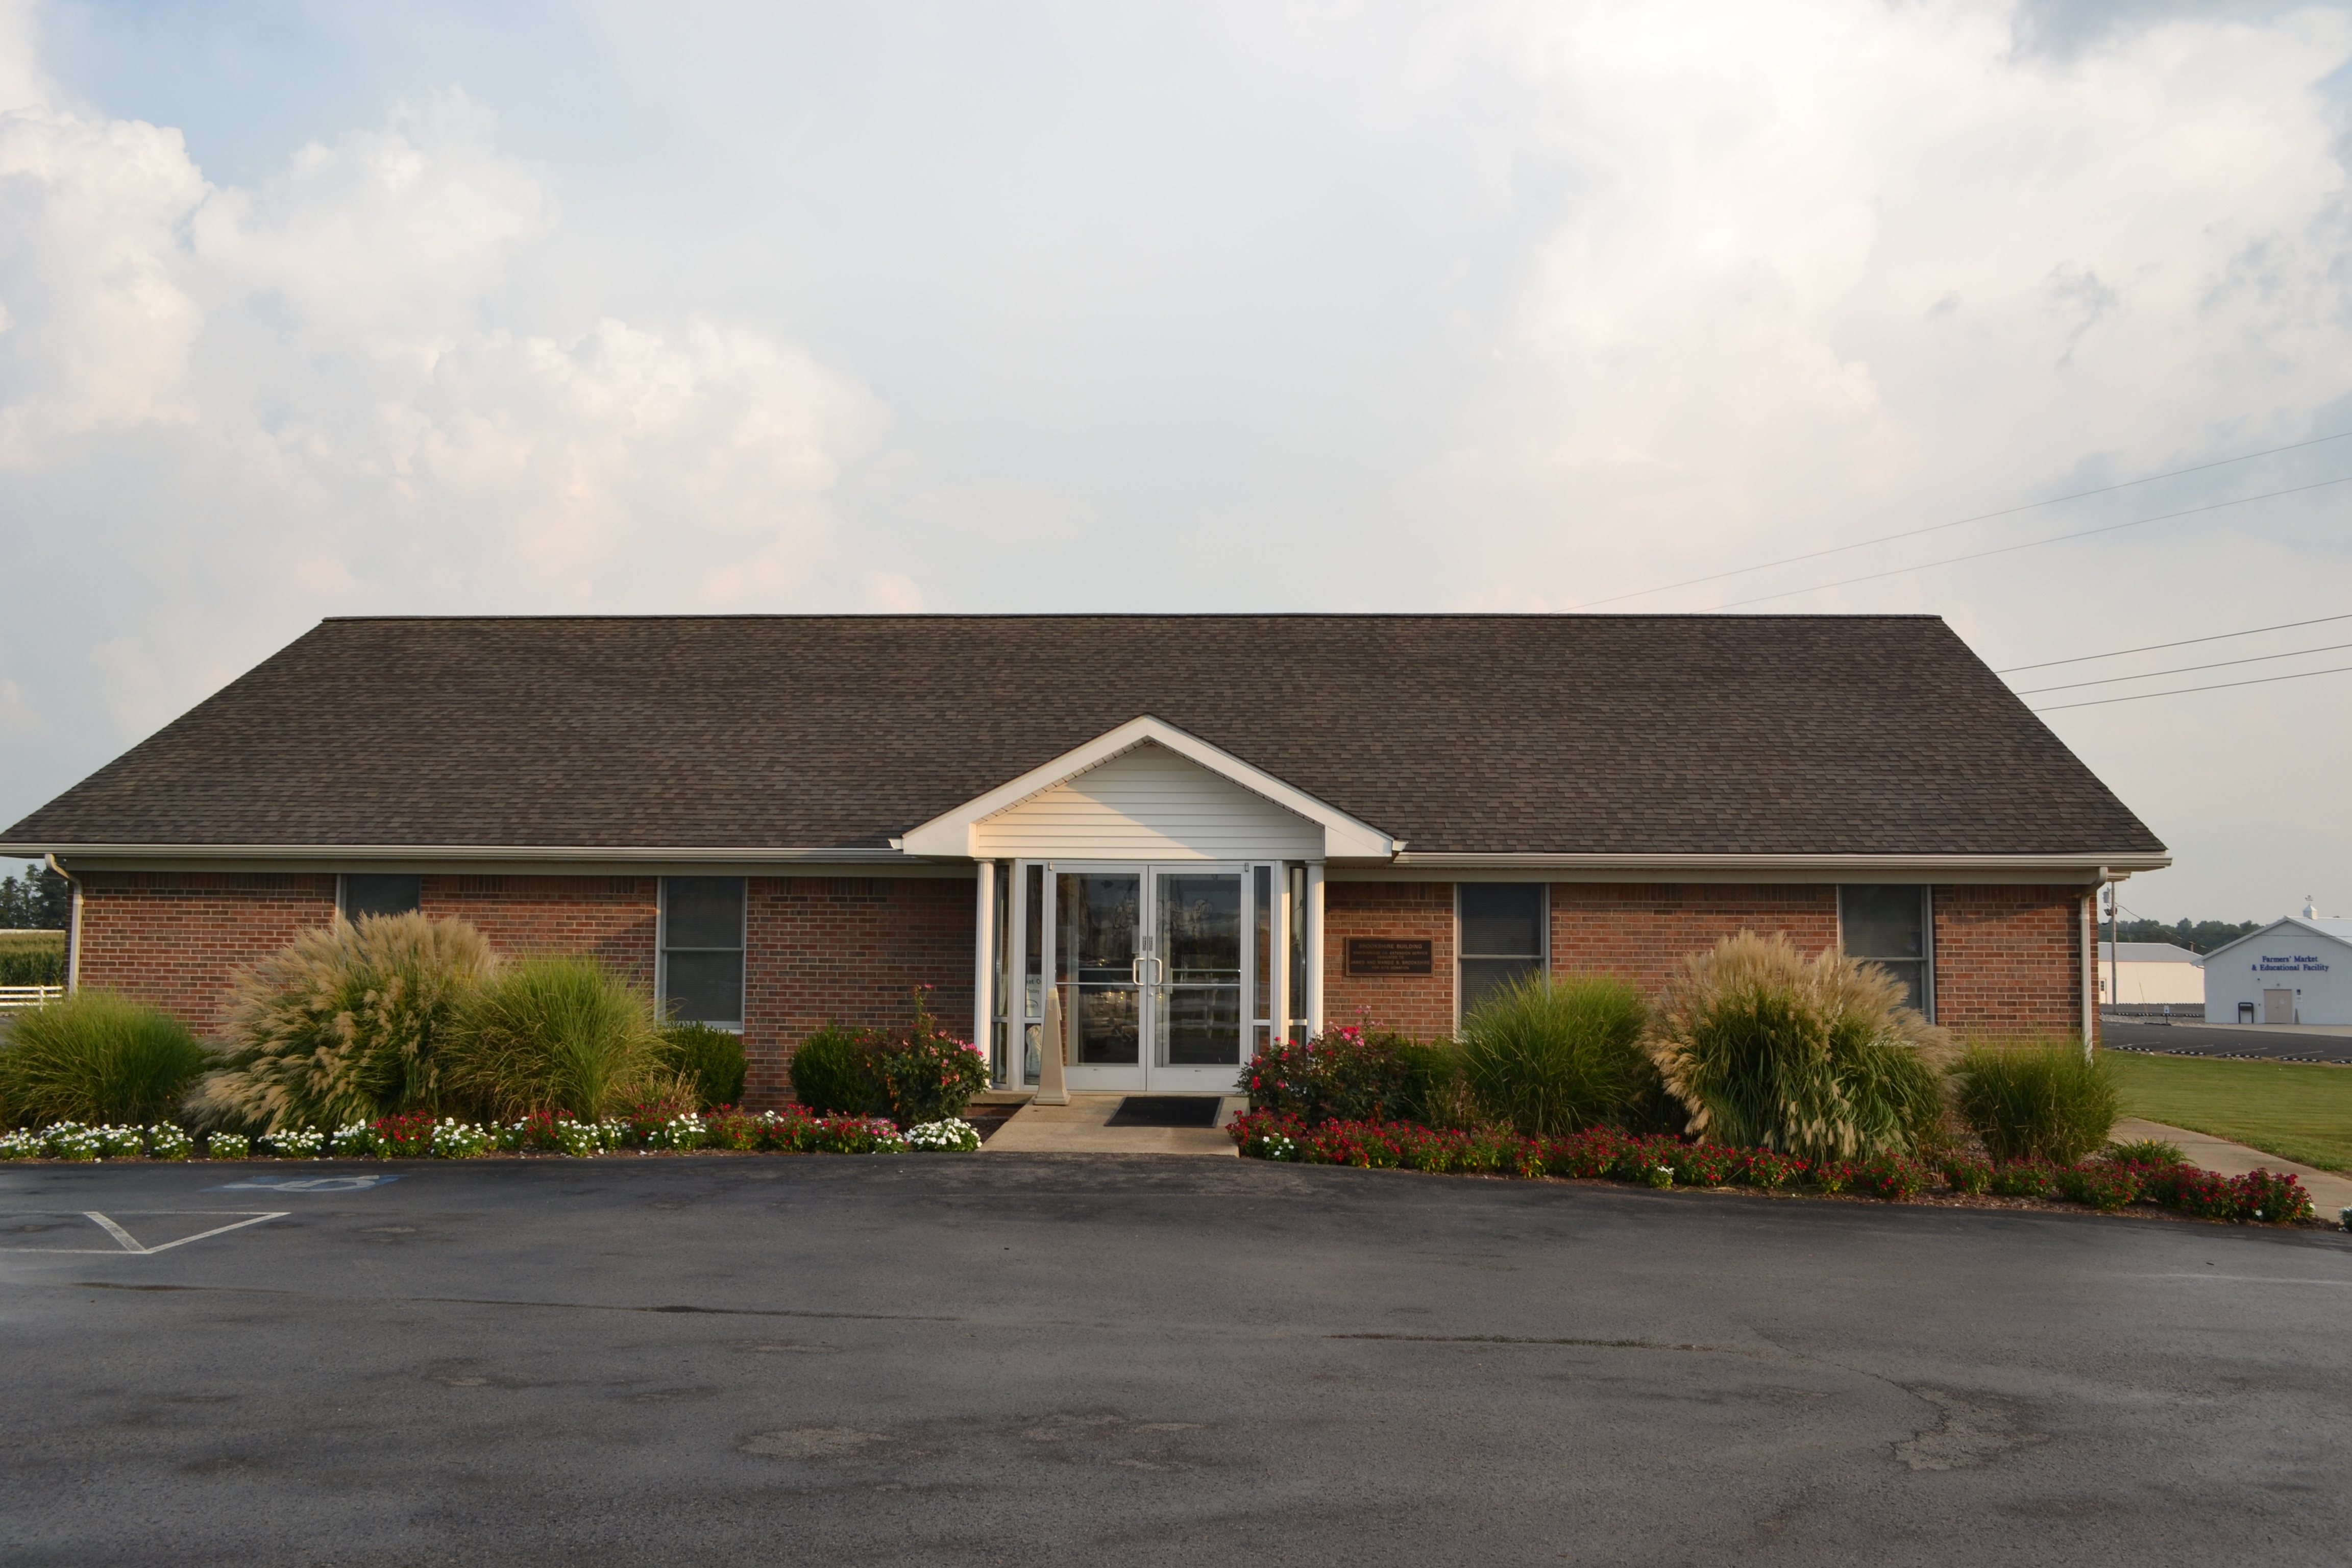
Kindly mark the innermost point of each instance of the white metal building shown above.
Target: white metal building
(2150, 974)
(2293, 971)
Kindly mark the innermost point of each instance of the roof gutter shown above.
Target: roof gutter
(2092, 867)
(866, 856)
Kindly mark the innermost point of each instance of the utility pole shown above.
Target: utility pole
(2115, 948)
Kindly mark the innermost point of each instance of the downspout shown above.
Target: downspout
(2115, 948)
(2087, 935)
(73, 926)
(1315, 947)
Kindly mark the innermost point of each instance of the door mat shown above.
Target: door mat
(1165, 1110)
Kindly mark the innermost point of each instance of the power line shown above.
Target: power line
(2184, 669)
(1956, 522)
(2184, 690)
(2031, 543)
(2184, 642)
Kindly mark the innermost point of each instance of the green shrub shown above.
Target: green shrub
(924, 1073)
(1891, 1177)
(1437, 1091)
(1550, 1056)
(2025, 1179)
(829, 1074)
(1967, 1175)
(2271, 1197)
(343, 1024)
(560, 1033)
(1771, 1171)
(95, 1057)
(2144, 1151)
(710, 1059)
(916, 1075)
(2038, 1099)
(1821, 1059)
(2103, 1187)
(1345, 1074)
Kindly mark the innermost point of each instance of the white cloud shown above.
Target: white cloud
(99, 329)
(386, 238)
(1836, 259)
(308, 380)
(1517, 303)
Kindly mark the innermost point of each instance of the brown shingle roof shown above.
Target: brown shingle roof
(1570, 735)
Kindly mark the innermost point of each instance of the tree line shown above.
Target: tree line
(2200, 936)
(38, 900)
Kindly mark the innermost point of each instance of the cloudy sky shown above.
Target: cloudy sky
(315, 308)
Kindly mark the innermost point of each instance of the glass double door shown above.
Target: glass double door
(1152, 967)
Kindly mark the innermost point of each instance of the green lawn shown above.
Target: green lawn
(2300, 1110)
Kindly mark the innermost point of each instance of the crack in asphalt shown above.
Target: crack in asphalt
(567, 1306)
(1566, 1341)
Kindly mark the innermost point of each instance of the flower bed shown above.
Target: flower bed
(2261, 1197)
(792, 1130)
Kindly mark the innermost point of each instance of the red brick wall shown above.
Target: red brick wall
(851, 948)
(2009, 961)
(1639, 929)
(1420, 1005)
(611, 918)
(171, 938)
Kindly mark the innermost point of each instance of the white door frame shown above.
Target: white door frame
(1141, 1076)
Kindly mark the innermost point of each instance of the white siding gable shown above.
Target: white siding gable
(1148, 804)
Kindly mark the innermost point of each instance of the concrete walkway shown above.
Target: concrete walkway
(1082, 1127)
(2330, 1194)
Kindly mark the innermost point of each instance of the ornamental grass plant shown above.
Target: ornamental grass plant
(96, 1057)
(2038, 1099)
(560, 1034)
(1551, 1055)
(345, 1023)
(1817, 1057)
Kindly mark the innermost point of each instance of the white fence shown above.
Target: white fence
(12, 998)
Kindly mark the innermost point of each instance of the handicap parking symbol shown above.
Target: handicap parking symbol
(305, 1184)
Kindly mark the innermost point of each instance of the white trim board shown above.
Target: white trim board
(956, 833)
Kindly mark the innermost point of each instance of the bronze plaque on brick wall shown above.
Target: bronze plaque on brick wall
(1388, 955)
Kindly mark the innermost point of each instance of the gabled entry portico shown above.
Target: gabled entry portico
(1164, 897)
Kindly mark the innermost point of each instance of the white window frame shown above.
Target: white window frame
(1543, 937)
(1927, 939)
(661, 953)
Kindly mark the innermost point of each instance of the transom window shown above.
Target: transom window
(702, 950)
(1502, 926)
(371, 894)
(1890, 925)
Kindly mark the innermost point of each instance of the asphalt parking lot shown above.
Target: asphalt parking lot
(2220, 1040)
(1064, 1359)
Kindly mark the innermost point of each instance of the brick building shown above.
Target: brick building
(1169, 838)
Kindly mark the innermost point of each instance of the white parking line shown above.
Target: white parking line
(127, 1243)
